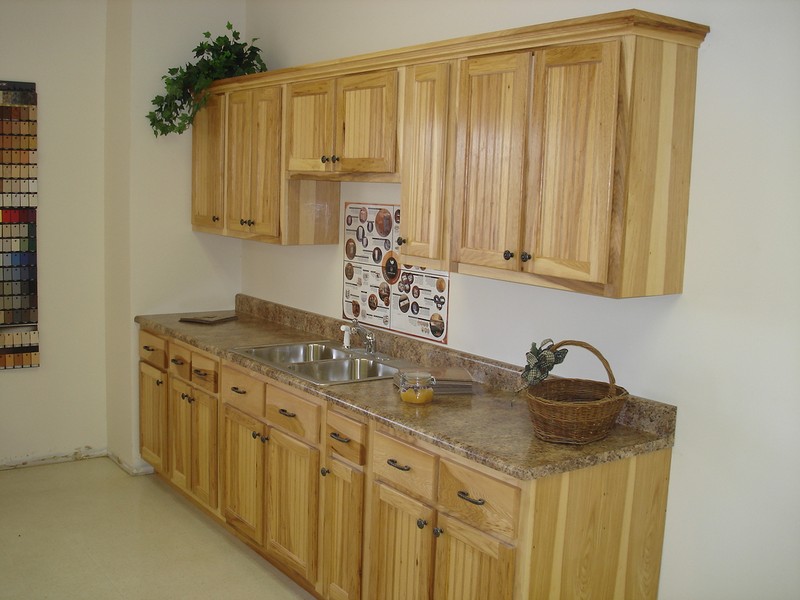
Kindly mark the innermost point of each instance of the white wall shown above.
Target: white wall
(726, 351)
(59, 408)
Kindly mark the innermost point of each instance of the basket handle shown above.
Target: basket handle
(611, 380)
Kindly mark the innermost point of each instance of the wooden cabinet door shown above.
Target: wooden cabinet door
(243, 468)
(341, 519)
(265, 198)
(292, 503)
(180, 433)
(208, 139)
(203, 471)
(572, 134)
(471, 565)
(402, 544)
(253, 184)
(238, 158)
(366, 123)
(310, 122)
(493, 99)
(422, 201)
(153, 416)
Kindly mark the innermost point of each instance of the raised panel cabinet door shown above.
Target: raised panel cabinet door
(343, 505)
(243, 456)
(153, 416)
(400, 557)
(572, 135)
(203, 472)
(422, 199)
(366, 122)
(493, 100)
(238, 160)
(181, 397)
(292, 503)
(471, 565)
(265, 187)
(309, 139)
(208, 149)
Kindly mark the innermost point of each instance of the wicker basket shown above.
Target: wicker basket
(575, 411)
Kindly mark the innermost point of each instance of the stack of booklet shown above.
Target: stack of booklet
(449, 380)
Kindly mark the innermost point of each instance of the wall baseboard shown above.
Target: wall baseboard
(34, 461)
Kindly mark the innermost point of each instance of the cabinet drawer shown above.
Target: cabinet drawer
(243, 392)
(293, 414)
(205, 371)
(485, 502)
(153, 349)
(180, 360)
(405, 467)
(346, 437)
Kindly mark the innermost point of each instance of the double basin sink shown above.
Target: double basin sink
(325, 362)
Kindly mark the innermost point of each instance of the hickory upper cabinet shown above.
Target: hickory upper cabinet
(253, 162)
(582, 183)
(427, 131)
(208, 166)
(345, 124)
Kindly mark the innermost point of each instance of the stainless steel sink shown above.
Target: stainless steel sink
(343, 370)
(324, 362)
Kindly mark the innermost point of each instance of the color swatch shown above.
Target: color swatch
(19, 300)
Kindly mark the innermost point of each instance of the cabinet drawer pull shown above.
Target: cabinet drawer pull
(149, 348)
(199, 373)
(237, 390)
(286, 413)
(339, 438)
(177, 361)
(465, 496)
(393, 463)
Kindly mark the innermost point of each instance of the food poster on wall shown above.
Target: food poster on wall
(381, 292)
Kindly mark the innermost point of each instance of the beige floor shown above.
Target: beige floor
(86, 530)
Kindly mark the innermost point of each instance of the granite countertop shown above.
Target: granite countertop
(491, 426)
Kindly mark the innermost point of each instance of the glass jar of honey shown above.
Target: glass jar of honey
(416, 387)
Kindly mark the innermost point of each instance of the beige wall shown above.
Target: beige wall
(115, 242)
(726, 351)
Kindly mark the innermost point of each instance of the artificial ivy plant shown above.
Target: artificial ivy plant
(217, 58)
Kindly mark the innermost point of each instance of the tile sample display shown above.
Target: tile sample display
(378, 289)
(19, 314)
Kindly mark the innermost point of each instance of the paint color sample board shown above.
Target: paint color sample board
(19, 306)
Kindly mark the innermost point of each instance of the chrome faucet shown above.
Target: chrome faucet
(366, 334)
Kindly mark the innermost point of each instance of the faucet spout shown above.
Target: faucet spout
(367, 335)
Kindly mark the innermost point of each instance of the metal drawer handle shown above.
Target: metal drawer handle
(199, 373)
(465, 496)
(237, 390)
(286, 413)
(393, 463)
(177, 361)
(339, 438)
(149, 348)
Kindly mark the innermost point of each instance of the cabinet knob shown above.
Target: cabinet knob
(242, 222)
(334, 159)
(250, 222)
(324, 159)
(323, 471)
(508, 255)
(437, 531)
(525, 257)
(214, 218)
(159, 382)
(264, 439)
(421, 523)
(255, 435)
(183, 396)
(401, 241)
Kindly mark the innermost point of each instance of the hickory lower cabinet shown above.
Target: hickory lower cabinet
(270, 465)
(153, 401)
